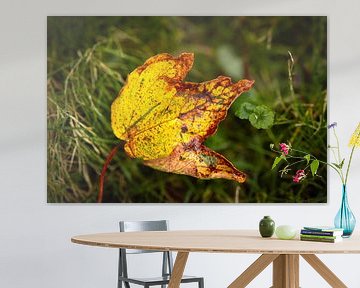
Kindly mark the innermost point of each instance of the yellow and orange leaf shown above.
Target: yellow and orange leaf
(165, 120)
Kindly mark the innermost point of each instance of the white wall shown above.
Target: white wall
(35, 248)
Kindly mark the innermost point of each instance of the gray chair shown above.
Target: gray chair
(167, 265)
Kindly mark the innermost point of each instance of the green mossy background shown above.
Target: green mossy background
(89, 59)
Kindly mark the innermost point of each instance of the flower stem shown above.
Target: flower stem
(348, 166)
(339, 160)
(351, 155)
(339, 171)
(299, 151)
(334, 154)
(338, 146)
(296, 162)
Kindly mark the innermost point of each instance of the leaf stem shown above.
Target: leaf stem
(103, 171)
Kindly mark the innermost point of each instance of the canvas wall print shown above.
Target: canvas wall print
(186, 109)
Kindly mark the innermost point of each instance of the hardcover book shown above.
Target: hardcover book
(321, 233)
(323, 228)
(328, 240)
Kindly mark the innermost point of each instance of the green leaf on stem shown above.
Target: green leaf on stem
(277, 160)
(245, 110)
(314, 167)
(262, 117)
(342, 163)
(307, 157)
(339, 166)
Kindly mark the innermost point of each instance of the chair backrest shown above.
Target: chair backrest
(134, 226)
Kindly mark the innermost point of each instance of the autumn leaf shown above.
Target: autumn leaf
(165, 120)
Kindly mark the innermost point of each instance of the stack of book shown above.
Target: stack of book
(321, 234)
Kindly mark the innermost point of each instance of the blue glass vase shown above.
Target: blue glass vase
(345, 219)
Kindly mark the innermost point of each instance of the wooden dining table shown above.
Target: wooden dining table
(283, 254)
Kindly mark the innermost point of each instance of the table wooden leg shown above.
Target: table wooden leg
(178, 269)
(253, 270)
(324, 271)
(293, 262)
(286, 271)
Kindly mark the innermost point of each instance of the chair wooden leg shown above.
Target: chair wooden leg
(178, 269)
(253, 270)
(324, 271)
(286, 271)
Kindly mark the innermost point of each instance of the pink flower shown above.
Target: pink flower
(284, 148)
(299, 176)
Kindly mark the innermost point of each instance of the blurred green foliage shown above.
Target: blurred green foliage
(88, 62)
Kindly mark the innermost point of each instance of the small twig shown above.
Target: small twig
(237, 194)
(290, 71)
